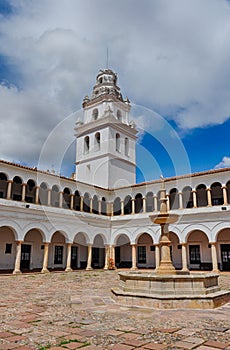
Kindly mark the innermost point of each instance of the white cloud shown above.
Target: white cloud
(169, 55)
(225, 163)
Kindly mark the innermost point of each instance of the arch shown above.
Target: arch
(127, 205)
(119, 115)
(187, 197)
(95, 114)
(223, 235)
(17, 189)
(3, 185)
(228, 191)
(145, 238)
(30, 191)
(8, 248)
(81, 238)
(149, 202)
(55, 196)
(138, 203)
(103, 206)
(95, 205)
(98, 251)
(118, 142)
(126, 146)
(43, 194)
(11, 229)
(199, 251)
(174, 198)
(66, 198)
(117, 206)
(201, 193)
(223, 240)
(86, 203)
(86, 144)
(123, 251)
(97, 141)
(217, 194)
(77, 200)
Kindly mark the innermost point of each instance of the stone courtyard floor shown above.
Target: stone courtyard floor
(74, 310)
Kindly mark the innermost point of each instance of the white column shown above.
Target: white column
(37, 194)
(225, 197)
(184, 256)
(106, 266)
(180, 200)
(209, 197)
(133, 205)
(49, 196)
(91, 205)
(155, 202)
(214, 257)
(144, 204)
(81, 203)
(45, 258)
(71, 201)
(194, 199)
(157, 255)
(9, 189)
(122, 207)
(99, 206)
(68, 260)
(18, 258)
(23, 192)
(89, 260)
(134, 257)
(60, 199)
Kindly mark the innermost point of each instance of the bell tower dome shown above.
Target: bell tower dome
(106, 139)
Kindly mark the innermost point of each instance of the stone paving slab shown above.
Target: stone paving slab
(75, 310)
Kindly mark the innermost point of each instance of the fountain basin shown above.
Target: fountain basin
(196, 290)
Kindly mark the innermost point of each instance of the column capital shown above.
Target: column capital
(10, 181)
(183, 243)
(213, 243)
(224, 186)
(194, 191)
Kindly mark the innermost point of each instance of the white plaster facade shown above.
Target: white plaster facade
(48, 222)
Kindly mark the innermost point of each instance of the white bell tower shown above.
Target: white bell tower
(106, 139)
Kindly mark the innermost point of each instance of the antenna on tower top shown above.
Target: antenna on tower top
(107, 58)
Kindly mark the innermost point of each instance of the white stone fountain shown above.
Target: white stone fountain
(165, 287)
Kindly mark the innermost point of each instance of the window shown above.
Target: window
(118, 142)
(119, 115)
(86, 144)
(97, 141)
(141, 254)
(8, 249)
(95, 114)
(126, 146)
(194, 254)
(58, 255)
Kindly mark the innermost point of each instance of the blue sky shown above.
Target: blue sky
(171, 58)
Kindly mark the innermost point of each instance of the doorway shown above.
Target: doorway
(225, 256)
(25, 257)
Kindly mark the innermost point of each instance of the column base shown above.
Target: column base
(134, 268)
(17, 272)
(216, 271)
(105, 268)
(44, 271)
(68, 269)
(89, 268)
